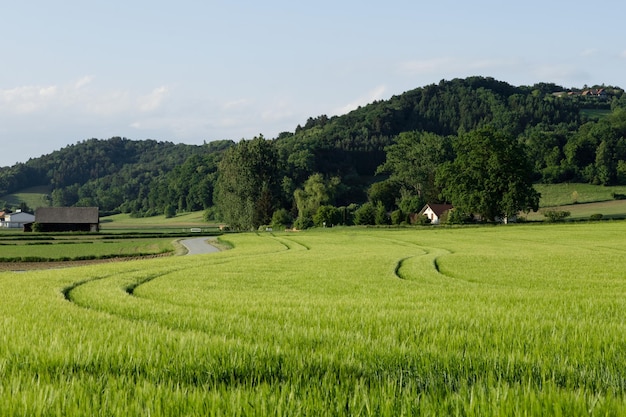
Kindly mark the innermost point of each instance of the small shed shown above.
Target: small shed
(17, 220)
(435, 211)
(68, 219)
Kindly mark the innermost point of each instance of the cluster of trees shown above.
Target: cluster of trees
(595, 152)
(390, 156)
(122, 175)
(484, 171)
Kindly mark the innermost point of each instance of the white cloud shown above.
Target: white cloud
(77, 100)
(49, 91)
(84, 107)
(374, 94)
(83, 82)
(153, 100)
(26, 99)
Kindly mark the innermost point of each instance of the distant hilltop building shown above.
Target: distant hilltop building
(599, 93)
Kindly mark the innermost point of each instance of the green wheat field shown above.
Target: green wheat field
(474, 321)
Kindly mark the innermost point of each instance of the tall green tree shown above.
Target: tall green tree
(491, 176)
(413, 162)
(248, 187)
(365, 215)
(317, 191)
(612, 147)
(327, 216)
(388, 192)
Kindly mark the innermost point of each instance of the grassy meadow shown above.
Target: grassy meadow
(182, 222)
(573, 193)
(475, 321)
(34, 197)
(581, 200)
(614, 209)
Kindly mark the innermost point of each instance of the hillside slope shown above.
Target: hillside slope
(147, 177)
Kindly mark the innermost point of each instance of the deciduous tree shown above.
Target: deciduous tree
(491, 176)
(317, 191)
(413, 161)
(248, 187)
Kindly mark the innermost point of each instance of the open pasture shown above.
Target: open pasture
(554, 195)
(33, 197)
(184, 222)
(508, 320)
(614, 209)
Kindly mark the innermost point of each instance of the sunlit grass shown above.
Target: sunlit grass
(125, 221)
(34, 197)
(614, 209)
(553, 195)
(517, 320)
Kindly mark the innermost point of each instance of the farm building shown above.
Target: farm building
(67, 219)
(17, 220)
(434, 211)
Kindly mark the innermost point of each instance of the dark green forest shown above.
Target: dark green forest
(477, 142)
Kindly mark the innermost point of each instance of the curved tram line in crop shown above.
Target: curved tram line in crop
(116, 294)
(418, 322)
(426, 269)
(429, 258)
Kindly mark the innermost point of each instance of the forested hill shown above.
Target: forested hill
(353, 144)
(149, 177)
(117, 174)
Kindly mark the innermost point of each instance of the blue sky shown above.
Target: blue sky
(193, 71)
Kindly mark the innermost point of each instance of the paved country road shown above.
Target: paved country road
(199, 245)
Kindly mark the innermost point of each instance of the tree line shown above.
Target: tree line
(378, 163)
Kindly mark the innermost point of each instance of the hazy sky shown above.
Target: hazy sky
(192, 71)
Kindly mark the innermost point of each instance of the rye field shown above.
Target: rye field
(472, 321)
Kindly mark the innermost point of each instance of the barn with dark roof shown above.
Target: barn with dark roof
(67, 219)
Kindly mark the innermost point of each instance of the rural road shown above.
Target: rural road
(198, 246)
